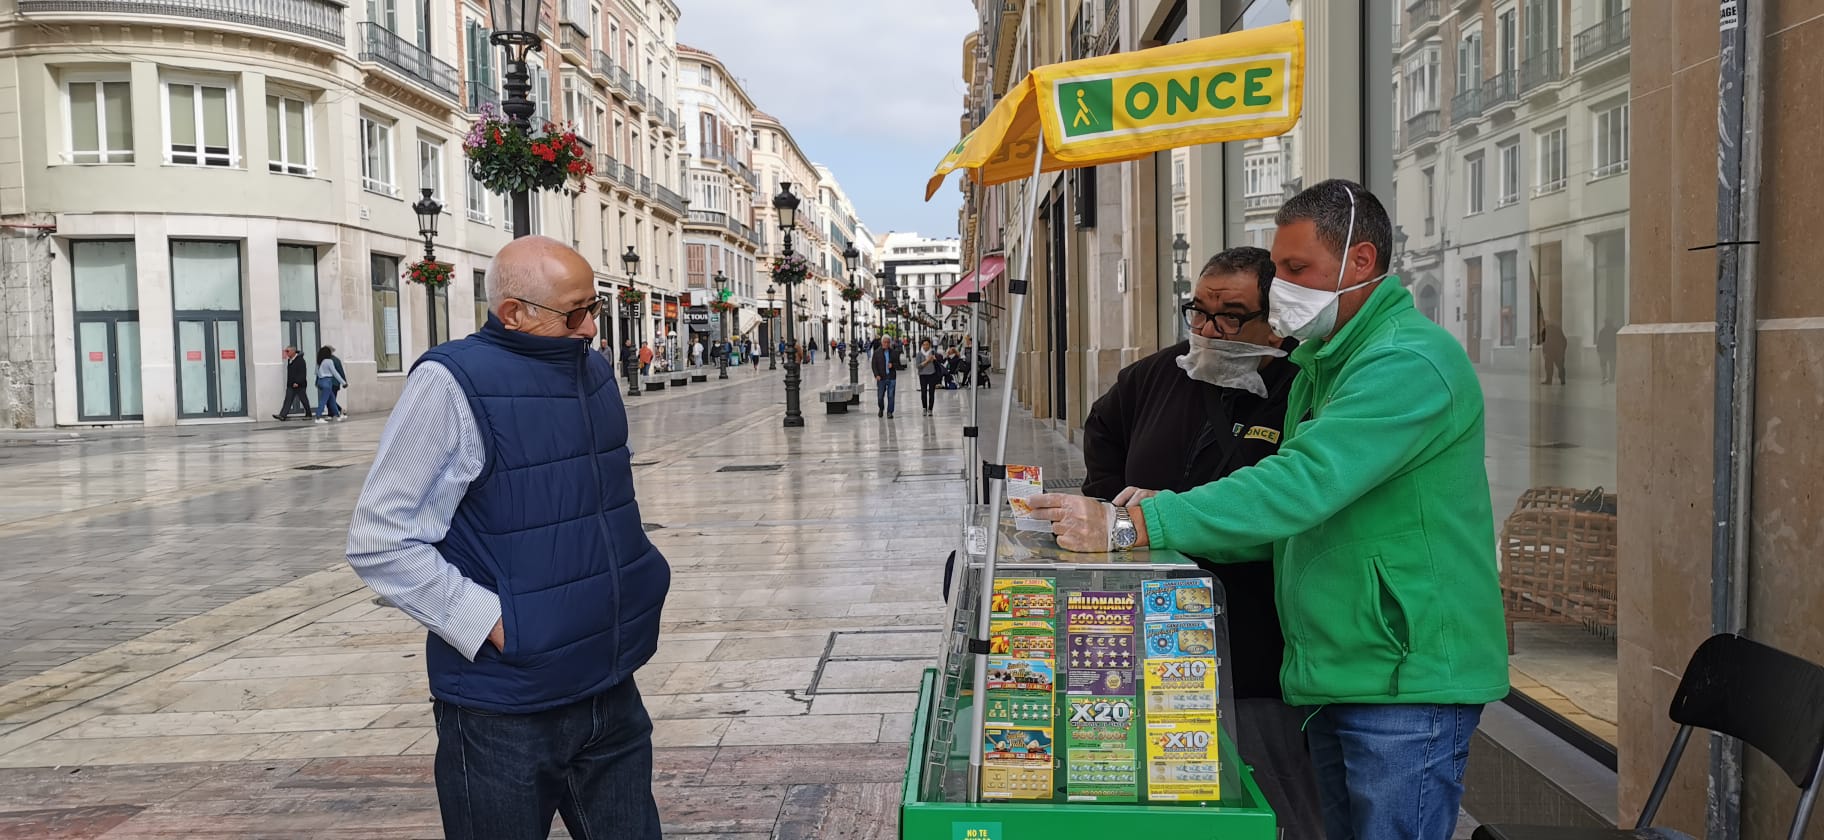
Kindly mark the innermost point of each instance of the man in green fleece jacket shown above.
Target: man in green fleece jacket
(1377, 508)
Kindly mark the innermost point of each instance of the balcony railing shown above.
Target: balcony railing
(606, 166)
(1604, 39)
(573, 37)
(1423, 13)
(1256, 202)
(1541, 69)
(622, 79)
(713, 218)
(637, 95)
(668, 198)
(604, 66)
(1422, 126)
(1466, 106)
(480, 93)
(645, 185)
(379, 44)
(316, 19)
(1500, 89)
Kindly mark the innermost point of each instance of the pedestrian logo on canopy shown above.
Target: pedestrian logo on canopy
(1119, 107)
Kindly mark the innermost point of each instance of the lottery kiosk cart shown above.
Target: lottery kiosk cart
(936, 802)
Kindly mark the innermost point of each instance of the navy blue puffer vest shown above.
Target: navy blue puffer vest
(550, 525)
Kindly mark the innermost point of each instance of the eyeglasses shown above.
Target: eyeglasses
(573, 318)
(1227, 323)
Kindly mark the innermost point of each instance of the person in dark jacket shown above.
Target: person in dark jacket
(1186, 416)
(512, 533)
(297, 385)
(886, 362)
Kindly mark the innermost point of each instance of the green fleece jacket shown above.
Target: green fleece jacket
(1377, 507)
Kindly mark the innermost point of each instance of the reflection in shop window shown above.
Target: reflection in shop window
(1510, 173)
(1507, 269)
(481, 299)
(1551, 161)
(1611, 141)
(1473, 168)
(384, 279)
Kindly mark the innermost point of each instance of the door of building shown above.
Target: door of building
(107, 330)
(298, 299)
(206, 293)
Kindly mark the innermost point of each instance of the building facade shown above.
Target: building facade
(1531, 225)
(720, 241)
(155, 267)
(922, 269)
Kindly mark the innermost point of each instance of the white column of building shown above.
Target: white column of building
(157, 332)
(265, 339)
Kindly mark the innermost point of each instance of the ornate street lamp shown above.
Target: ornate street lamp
(850, 256)
(1181, 250)
(786, 206)
(722, 318)
(515, 24)
(772, 333)
(631, 261)
(428, 210)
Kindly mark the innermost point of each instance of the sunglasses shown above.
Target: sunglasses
(573, 318)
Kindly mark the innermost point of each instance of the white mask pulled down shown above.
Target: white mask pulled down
(1227, 364)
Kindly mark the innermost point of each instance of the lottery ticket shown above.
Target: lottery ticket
(1023, 598)
(1020, 691)
(1102, 749)
(1023, 637)
(1024, 482)
(1180, 689)
(1016, 763)
(1174, 639)
(1178, 598)
(1100, 650)
(1182, 761)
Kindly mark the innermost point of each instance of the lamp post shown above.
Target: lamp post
(722, 318)
(516, 31)
(631, 261)
(428, 209)
(772, 332)
(1181, 249)
(786, 206)
(849, 257)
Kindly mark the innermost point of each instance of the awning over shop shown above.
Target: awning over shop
(958, 295)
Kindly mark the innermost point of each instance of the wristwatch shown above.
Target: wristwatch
(1122, 534)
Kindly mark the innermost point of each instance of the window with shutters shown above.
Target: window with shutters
(288, 136)
(199, 124)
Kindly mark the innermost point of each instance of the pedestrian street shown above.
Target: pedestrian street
(184, 652)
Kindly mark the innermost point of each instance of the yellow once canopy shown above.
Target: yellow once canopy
(1119, 107)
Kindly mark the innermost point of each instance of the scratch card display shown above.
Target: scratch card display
(1182, 762)
(1016, 763)
(1024, 482)
(1180, 689)
(1178, 598)
(1103, 747)
(1020, 691)
(1100, 651)
(1023, 637)
(1023, 598)
(1172, 639)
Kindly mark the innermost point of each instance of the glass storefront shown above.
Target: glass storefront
(106, 286)
(206, 304)
(383, 277)
(1511, 216)
(298, 297)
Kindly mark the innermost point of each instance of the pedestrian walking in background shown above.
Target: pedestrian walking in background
(930, 373)
(645, 359)
(1605, 348)
(886, 364)
(329, 381)
(630, 360)
(951, 363)
(696, 353)
(537, 621)
(297, 385)
(1552, 345)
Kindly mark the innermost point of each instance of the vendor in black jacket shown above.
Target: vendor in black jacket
(1184, 417)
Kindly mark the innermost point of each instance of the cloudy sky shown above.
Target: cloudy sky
(870, 88)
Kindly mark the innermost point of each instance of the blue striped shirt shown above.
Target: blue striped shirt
(430, 452)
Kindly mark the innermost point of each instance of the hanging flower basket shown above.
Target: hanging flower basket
(851, 294)
(435, 275)
(721, 306)
(791, 269)
(506, 159)
(631, 297)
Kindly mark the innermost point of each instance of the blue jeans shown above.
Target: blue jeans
(1393, 771)
(502, 777)
(326, 398)
(886, 392)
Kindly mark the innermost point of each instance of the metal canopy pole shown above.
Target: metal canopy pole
(1016, 286)
(1738, 171)
(972, 467)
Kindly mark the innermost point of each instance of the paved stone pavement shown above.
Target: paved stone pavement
(183, 651)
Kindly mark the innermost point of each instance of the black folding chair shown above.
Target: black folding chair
(1770, 700)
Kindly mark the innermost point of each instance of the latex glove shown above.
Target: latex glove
(1079, 522)
(1132, 496)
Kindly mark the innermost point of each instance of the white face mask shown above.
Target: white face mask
(1227, 364)
(1295, 311)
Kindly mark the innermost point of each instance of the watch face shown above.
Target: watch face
(1125, 536)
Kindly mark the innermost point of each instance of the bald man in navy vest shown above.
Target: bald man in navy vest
(500, 514)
